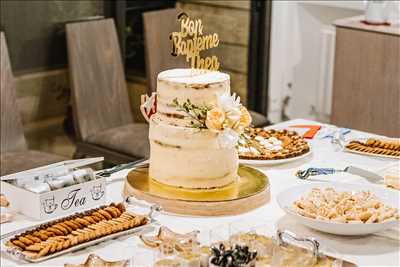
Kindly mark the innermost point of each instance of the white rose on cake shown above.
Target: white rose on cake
(230, 104)
(228, 138)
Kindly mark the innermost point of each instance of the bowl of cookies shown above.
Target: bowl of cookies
(259, 146)
(342, 209)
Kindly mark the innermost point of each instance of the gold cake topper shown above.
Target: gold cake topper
(190, 41)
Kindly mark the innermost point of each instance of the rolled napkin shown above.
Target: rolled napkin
(3, 201)
(83, 175)
(392, 176)
(37, 187)
(5, 214)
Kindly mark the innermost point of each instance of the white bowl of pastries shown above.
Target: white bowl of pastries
(342, 209)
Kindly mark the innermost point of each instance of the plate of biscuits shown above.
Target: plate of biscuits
(385, 148)
(342, 208)
(258, 146)
(57, 237)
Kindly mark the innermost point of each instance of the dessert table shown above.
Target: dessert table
(382, 249)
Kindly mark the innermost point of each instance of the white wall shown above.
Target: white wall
(302, 50)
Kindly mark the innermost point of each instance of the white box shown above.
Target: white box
(64, 201)
(55, 203)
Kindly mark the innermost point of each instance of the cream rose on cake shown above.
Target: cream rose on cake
(215, 119)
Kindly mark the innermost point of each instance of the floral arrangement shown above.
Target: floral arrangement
(228, 118)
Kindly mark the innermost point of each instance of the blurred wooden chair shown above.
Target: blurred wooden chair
(15, 156)
(102, 113)
(157, 25)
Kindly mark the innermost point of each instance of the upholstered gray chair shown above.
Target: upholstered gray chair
(15, 156)
(102, 114)
(157, 27)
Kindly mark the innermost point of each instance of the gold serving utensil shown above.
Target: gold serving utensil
(151, 241)
(166, 233)
(165, 236)
(95, 261)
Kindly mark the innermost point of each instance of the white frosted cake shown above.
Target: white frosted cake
(182, 153)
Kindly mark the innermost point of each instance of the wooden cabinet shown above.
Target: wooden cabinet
(366, 87)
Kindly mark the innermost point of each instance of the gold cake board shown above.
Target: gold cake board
(251, 191)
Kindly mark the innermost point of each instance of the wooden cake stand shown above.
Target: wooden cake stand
(252, 190)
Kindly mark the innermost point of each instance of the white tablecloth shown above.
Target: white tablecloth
(373, 250)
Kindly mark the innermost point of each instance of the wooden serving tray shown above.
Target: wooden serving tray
(251, 191)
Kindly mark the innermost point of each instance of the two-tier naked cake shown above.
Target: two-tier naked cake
(184, 152)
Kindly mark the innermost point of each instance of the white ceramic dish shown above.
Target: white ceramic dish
(389, 197)
(265, 162)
